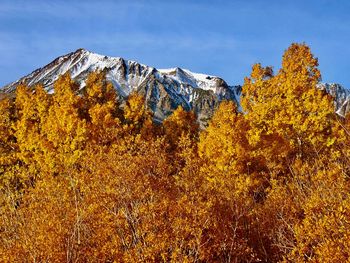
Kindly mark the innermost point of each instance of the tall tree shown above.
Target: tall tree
(288, 114)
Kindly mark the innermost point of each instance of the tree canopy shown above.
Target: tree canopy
(85, 178)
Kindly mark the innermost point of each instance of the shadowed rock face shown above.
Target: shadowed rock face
(164, 89)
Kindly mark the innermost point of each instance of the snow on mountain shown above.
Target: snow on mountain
(197, 80)
(79, 64)
(164, 89)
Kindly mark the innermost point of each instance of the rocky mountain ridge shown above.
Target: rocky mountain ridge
(164, 89)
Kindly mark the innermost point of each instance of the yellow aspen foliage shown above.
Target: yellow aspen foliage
(99, 91)
(84, 180)
(276, 217)
(49, 222)
(102, 111)
(192, 218)
(344, 145)
(65, 129)
(226, 153)
(180, 130)
(223, 144)
(6, 129)
(180, 123)
(126, 204)
(8, 146)
(323, 234)
(32, 109)
(137, 118)
(229, 183)
(287, 113)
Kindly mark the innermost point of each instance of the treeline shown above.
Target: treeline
(85, 180)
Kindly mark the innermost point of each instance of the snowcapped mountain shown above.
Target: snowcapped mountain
(164, 89)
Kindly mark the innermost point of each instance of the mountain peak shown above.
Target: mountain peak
(79, 50)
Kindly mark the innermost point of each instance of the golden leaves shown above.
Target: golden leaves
(83, 179)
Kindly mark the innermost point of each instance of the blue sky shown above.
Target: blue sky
(222, 38)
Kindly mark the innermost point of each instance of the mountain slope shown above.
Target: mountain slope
(164, 89)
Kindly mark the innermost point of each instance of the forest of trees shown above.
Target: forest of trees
(85, 180)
